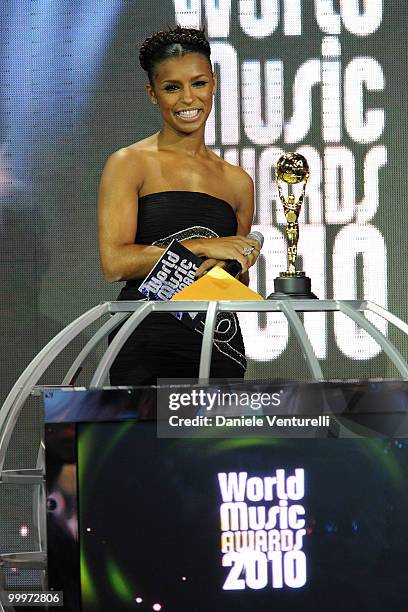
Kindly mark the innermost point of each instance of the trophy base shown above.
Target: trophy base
(292, 288)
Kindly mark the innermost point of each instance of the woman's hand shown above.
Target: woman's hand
(208, 264)
(240, 248)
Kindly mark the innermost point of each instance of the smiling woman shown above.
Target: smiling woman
(183, 87)
(170, 185)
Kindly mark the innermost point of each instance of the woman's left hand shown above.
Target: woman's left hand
(210, 263)
(207, 265)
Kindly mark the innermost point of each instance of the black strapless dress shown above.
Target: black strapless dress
(162, 346)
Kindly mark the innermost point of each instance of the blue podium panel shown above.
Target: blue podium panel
(240, 523)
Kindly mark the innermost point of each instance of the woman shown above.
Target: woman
(170, 185)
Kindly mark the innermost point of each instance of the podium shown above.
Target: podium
(169, 514)
(129, 315)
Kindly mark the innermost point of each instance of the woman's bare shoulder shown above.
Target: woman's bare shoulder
(239, 176)
(232, 172)
(130, 161)
(238, 180)
(134, 151)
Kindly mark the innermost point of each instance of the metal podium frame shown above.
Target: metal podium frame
(130, 315)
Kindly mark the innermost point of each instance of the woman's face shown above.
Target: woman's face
(183, 88)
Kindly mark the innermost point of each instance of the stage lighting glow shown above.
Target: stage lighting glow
(24, 531)
(156, 607)
(139, 600)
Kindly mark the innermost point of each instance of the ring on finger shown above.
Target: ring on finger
(247, 250)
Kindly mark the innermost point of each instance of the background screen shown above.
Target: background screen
(323, 77)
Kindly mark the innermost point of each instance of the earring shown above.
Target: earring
(154, 101)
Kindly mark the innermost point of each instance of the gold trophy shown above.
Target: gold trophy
(292, 168)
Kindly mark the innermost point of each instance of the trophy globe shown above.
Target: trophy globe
(292, 168)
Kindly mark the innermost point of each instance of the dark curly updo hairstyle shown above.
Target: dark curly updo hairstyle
(173, 42)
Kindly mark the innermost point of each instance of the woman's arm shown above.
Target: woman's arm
(245, 215)
(232, 247)
(217, 250)
(120, 183)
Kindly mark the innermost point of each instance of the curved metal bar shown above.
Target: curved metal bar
(207, 344)
(39, 506)
(297, 326)
(22, 388)
(39, 516)
(170, 306)
(237, 305)
(119, 340)
(388, 316)
(27, 560)
(378, 337)
(98, 336)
